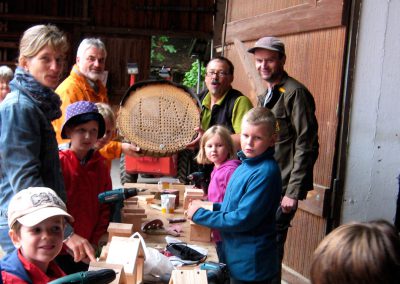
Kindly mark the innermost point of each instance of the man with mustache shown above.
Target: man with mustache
(296, 149)
(85, 84)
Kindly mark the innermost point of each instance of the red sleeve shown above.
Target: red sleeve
(104, 214)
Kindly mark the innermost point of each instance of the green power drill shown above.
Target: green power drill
(102, 276)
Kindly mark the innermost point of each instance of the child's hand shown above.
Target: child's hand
(195, 143)
(80, 248)
(131, 150)
(193, 206)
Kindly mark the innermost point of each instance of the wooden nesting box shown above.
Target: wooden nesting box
(129, 253)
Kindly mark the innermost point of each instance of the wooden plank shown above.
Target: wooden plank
(249, 68)
(188, 276)
(302, 18)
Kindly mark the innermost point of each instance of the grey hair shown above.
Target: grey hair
(6, 73)
(88, 43)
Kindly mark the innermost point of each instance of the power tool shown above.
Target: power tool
(217, 273)
(197, 178)
(102, 276)
(117, 195)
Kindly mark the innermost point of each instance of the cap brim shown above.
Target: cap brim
(42, 214)
(253, 49)
(87, 117)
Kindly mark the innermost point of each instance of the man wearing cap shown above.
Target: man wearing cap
(297, 147)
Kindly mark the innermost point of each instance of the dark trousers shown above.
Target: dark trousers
(282, 226)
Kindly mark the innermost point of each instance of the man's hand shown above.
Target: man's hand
(195, 143)
(131, 150)
(288, 204)
(80, 248)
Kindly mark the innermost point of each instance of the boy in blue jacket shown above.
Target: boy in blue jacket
(246, 217)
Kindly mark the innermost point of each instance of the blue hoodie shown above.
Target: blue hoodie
(246, 218)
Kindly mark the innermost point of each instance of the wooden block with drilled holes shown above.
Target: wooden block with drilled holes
(119, 230)
(200, 233)
(120, 277)
(188, 276)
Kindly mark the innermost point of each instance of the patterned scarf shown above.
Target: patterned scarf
(47, 100)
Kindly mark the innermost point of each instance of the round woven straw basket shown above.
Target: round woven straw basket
(159, 117)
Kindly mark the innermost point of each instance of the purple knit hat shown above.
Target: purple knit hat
(81, 112)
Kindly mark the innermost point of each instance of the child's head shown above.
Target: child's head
(36, 217)
(6, 75)
(83, 125)
(110, 123)
(216, 146)
(258, 131)
(358, 253)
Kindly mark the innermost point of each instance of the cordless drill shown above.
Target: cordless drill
(197, 178)
(102, 276)
(217, 273)
(115, 195)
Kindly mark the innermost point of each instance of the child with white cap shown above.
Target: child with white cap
(37, 218)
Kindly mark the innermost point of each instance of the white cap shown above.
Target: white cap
(35, 204)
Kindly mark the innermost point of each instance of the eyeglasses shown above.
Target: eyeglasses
(219, 73)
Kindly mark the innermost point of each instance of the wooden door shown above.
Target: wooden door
(314, 33)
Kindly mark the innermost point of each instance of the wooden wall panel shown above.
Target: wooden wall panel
(120, 52)
(320, 54)
(306, 233)
(238, 11)
(192, 17)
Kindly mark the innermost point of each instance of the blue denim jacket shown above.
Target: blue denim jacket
(28, 145)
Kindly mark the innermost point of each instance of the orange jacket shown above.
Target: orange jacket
(76, 88)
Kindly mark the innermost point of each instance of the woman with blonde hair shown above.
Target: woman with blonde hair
(28, 146)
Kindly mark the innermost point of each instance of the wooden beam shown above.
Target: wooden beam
(248, 64)
(43, 18)
(145, 32)
(301, 18)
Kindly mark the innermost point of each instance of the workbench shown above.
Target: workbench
(158, 241)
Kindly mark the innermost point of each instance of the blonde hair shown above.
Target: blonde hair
(225, 135)
(39, 36)
(261, 115)
(107, 113)
(358, 253)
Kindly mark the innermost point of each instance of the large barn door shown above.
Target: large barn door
(315, 36)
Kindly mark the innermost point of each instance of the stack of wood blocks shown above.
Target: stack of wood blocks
(192, 194)
(132, 213)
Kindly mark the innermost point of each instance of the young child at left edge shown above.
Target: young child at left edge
(86, 174)
(36, 218)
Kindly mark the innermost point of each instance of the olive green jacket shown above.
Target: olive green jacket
(297, 146)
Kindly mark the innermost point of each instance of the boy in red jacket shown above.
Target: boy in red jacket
(85, 174)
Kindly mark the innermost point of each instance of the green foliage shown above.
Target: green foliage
(190, 79)
(160, 46)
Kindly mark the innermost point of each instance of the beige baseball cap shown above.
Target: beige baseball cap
(35, 204)
(269, 43)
